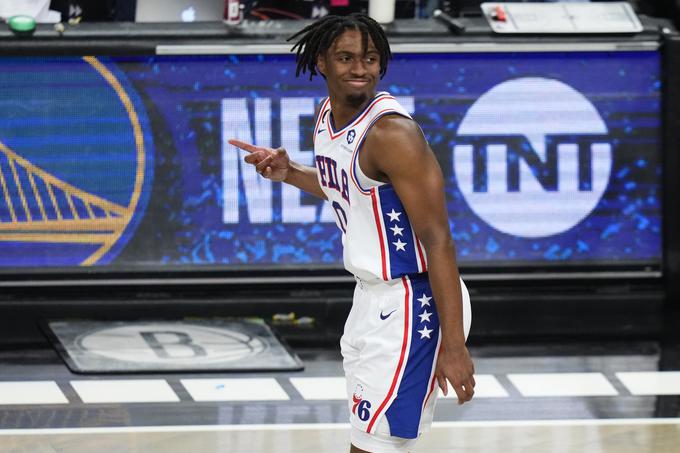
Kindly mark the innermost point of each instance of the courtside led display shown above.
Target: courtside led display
(549, 158)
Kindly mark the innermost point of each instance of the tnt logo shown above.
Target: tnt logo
(350, 136)
(532, 157)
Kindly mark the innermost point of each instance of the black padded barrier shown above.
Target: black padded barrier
(671, 164)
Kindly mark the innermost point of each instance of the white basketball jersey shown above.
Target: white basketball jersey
(378, 240)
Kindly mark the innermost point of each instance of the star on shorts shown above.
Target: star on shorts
(424, 300)
(425, 332)
(394, 215)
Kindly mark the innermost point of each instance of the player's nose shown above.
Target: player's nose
(358, 68)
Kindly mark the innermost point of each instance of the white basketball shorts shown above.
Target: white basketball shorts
(390, 347)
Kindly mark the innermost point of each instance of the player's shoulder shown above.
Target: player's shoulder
(397, 136)
(395, 127)
(384, 102)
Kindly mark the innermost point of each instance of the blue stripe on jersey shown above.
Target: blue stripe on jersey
(401, 249)
(405, 411)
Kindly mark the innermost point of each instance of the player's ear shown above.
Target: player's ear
(321, 64)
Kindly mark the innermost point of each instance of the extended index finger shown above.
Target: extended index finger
(244, 145)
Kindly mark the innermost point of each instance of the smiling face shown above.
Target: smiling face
(351, 74)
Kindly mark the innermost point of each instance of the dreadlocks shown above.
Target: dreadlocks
(317, 38)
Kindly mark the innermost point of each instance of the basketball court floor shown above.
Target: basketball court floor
(570, 397)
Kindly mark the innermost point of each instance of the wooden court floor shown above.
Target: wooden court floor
(597, 399)
(559, 436)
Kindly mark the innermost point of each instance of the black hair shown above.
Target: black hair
(315, 39)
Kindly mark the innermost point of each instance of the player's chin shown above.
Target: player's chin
(357, 98)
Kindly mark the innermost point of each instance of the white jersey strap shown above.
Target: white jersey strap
(388, 107)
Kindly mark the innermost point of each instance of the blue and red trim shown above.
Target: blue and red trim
(417, 382)
(322, 111)
(432, 383)
(380, 227)
(359, 116)
(400, 364)
(401, 252)
(420, 255)
(402, 249)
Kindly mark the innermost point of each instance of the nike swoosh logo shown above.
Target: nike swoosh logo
(320, 131)
(384, 317)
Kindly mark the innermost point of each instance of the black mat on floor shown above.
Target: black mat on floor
(170, 346)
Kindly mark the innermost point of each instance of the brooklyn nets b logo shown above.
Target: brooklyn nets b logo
(170, 343)
(533, 157)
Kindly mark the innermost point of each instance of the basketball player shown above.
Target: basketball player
(411, 311)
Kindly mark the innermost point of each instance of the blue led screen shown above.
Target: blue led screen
(548, 157)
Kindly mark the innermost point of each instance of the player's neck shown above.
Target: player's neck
(344, 111)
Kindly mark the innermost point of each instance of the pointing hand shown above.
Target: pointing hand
(270, 163)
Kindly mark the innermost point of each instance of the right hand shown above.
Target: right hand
(270, 163)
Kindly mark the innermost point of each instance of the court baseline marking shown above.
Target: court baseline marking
(330, 426)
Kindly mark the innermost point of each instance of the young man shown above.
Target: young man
(386, 187)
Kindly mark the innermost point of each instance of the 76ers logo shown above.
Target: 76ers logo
(360, 406)
(350, 136)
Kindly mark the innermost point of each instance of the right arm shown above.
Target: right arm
(275, 164)
(304, 177)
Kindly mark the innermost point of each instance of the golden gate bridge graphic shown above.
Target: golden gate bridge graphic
(43, 216)
(38, 207)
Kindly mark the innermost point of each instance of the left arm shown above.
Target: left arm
(397, 150)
